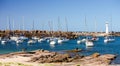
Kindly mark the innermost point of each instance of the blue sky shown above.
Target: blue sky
(43, 12)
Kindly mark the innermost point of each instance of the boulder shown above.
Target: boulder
(108, 56)
(95, 55)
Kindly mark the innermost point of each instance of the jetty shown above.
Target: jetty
(40, 33)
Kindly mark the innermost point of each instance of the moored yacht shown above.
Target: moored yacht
(52, 42)
(41, 40)
(14, 38)
(108, 38)
(35, 38)
(89, 43)
(3, 42)
(23, 38)
(19, 41)
(95, 38)
(31, 41)
(63, 40)
(81, 40)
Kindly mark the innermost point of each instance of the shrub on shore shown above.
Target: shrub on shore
(13, 64)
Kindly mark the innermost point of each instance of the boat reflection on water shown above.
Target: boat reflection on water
(89, 47)
(52, 45)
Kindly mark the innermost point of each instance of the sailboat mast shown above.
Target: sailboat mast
(13, 24)
(8, 20)
(66, 24)
(50, 26)
(95, 24)
(85, 25)
(19, 27)
(59, 26)
(7, 23)
(33, 25)
(23, 23)
(43, 26)
(111, 23)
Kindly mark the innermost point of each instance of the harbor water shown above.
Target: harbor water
(99, 47)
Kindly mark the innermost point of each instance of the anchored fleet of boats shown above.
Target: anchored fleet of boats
(87, 40)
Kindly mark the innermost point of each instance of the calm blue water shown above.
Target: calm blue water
(99, 46)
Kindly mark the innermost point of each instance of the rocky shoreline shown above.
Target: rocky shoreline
(57, 59)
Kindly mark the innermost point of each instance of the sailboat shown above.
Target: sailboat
(17, 39)
(61, 39)
(88, 42)
(52, 42)
(3, 42)
(41, 40)
(52, 39)
(95, 38)
(22, 37)
(81, 40)
(14, 38)
(6, 39)
(33, 40)
(108, 38)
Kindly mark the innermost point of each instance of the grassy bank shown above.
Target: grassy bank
(22, 64)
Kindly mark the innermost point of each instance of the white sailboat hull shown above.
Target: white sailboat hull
(31, 42)
(3, 42)
(52, 42)
(83, 40)
(62, 40)
(78, 41)
(14, 38)
(41, 40)
(109, 40)
(19, 41)
(89, 43)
